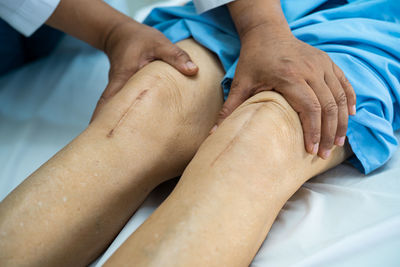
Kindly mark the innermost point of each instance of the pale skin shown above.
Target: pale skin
(234, 181)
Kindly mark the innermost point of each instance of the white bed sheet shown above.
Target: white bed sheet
(340, 218)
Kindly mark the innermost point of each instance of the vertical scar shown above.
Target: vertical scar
(121, 120)
(236, 137)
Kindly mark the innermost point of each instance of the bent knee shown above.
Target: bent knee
(266, 131)
(160, 97)
(271, 117)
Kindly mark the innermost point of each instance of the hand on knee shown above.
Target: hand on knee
(267, 132)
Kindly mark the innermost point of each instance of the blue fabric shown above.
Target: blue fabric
(361, 36)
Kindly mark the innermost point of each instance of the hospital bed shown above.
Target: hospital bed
(340, 218)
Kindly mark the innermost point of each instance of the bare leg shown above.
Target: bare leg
(67, 212)
(231, 192)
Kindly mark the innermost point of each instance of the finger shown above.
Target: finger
(117, 79)
(341, 102)
(348, 89)
(237, 95)
(177, 58)
(329, 116)
(304, 101)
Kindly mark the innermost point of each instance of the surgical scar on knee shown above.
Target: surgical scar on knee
(237, 135)
(125, 114)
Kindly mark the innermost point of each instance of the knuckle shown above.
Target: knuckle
(178, 53)
(341, 99)
(288, 70)
(224, 112)
(238, 90)
(314, 107)
(330, 108)
(313, 66)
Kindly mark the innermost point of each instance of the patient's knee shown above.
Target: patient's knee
(272, 120)
(265, 134)
(162, 105)
(263, 131)
(279, 114)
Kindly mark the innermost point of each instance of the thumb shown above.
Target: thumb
(177, 58)
(237, 95)
(116, 81)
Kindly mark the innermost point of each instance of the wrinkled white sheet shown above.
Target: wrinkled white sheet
(340, 218)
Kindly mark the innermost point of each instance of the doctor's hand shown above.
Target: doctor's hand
(130, 46)
(307, 78)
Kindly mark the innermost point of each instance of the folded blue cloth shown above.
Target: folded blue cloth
(361, 36)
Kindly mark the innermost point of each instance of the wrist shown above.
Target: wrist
(265, 30)
(259, 15)
(114, 33)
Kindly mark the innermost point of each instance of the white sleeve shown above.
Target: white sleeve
(26, 16)
(205, 5)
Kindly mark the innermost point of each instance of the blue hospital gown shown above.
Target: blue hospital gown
(361, 36)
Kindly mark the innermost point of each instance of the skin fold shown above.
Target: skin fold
(155, 128)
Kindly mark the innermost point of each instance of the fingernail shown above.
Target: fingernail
(213, 129)
(326, 154)
(353, 110)
(315, 149)
(340, 141)
(190, 65)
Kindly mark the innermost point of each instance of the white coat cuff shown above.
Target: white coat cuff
(205, 5)
(31, 15)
